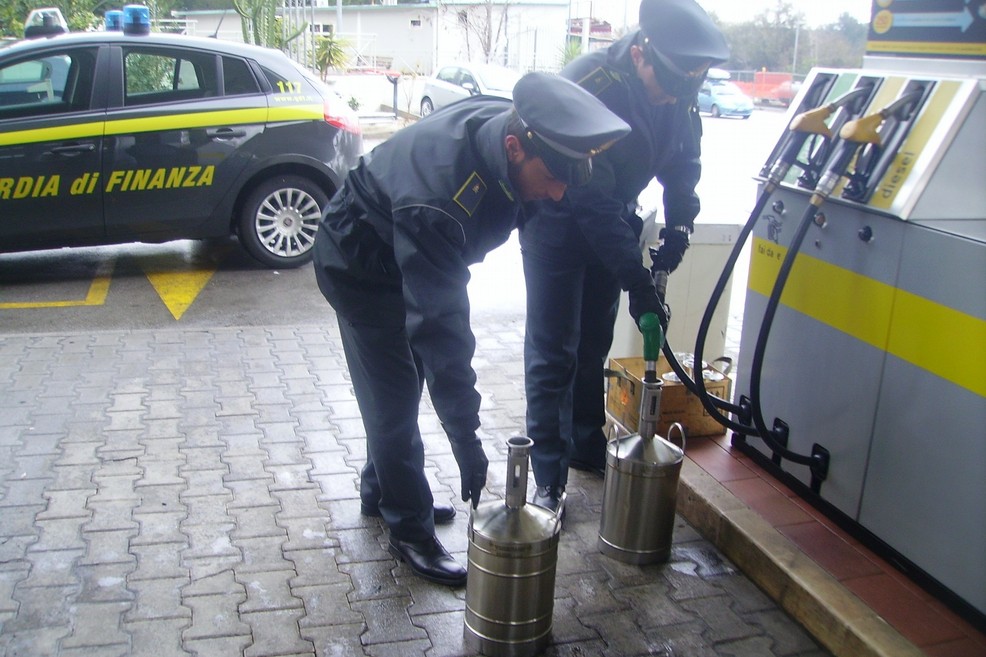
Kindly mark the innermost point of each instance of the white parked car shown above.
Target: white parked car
(452, 83)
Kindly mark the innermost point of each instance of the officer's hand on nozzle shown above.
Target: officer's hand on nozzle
(672, 250)
(643, 300)
(472, 462)
(660, 278)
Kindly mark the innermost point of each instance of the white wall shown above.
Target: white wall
(533, 39)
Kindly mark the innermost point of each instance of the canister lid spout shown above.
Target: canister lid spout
(518, 451)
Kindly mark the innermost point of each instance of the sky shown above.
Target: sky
(817, 12)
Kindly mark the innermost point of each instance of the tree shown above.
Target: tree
(486, 26)
(768, 42)
(330, 53)
(572, 49)
(261, 25)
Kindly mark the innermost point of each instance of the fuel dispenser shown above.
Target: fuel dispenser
(864, 334)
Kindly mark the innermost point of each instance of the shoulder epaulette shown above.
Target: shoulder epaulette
(471, 193)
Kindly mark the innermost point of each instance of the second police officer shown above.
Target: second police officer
(579, 252)
(392, 257)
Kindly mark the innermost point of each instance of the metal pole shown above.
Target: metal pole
(794, 65)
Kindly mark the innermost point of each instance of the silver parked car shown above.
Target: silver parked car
(452, 83)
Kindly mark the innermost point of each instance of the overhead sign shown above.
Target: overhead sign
(928, 28)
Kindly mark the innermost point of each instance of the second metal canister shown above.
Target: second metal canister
(513, 552)
(639, 497)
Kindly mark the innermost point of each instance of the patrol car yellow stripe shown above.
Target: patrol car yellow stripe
(915, 143)
(300, 112)
(184, 121)
(922, 332)
(59, 133)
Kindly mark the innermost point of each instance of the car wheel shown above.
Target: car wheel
(715, 112)
(279, 220)
(427, 107)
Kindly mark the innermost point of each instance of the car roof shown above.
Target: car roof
(155, 38)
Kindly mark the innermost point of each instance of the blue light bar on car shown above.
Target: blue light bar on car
(113, 21)
(136, 20)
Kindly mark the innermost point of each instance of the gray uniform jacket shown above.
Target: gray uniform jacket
(665, 143)
(395, 244)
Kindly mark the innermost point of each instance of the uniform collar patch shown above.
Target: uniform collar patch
(598, 81)
(471, 193)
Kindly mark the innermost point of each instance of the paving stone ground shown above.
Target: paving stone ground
(194, 492)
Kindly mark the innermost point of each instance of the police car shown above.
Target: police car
(111, 137)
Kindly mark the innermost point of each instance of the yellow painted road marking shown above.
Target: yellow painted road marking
(178, 289)
(98, 290)
(929, 335)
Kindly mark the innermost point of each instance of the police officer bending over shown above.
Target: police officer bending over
(579, 253)
(392, 257)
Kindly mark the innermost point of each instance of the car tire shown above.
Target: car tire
(715, 112)
(427, 107)
(279, 220)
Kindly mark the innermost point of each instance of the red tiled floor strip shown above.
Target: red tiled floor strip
(907, 607)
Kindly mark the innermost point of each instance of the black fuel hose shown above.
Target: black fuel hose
(756, 365)
(818, 460)
(803, 127)
(714, 405)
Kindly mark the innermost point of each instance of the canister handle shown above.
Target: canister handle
(681, 432)
(727, 364)
(559, 512)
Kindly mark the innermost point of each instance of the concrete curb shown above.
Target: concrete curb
(382, 127)
(833, 615)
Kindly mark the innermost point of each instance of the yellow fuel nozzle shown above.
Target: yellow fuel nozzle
(813, 121)
(864, 130)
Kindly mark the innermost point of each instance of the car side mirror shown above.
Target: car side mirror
(470, 87)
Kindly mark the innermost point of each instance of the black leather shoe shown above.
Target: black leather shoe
(585, 466)
(549, 497)
(444, 513)
(429, 560)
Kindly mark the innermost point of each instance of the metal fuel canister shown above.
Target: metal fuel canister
(513, 554)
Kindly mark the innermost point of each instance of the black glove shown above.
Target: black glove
(669, 256)
(643, 300)
(472, 462)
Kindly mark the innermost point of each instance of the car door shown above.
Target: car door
(469, 83)
(448, 86)
(172, 138)
(51, 125)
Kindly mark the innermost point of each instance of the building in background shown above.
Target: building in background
(417, 37)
